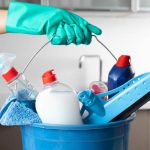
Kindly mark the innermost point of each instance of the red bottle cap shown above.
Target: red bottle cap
(11, 74)
(96, 89)
(48, 77)
(123, 61)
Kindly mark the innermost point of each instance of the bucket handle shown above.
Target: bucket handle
(32, 58)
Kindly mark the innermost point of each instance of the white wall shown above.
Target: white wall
(123, 33)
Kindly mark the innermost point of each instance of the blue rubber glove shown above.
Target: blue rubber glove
(63, 26)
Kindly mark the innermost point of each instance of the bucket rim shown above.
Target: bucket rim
(84, 126)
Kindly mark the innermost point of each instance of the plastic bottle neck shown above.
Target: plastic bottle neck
(47, 85)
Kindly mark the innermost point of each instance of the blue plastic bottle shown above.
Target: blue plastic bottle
(120, 73)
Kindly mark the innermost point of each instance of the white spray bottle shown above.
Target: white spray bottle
(57, 103)
(16, 82)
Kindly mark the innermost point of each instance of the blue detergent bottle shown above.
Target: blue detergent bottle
(120, 73)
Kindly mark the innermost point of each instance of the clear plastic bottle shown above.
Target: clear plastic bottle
(16, 82)
(98, 87)
(57, 103)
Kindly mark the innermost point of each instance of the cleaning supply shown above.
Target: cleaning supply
(127, 99)
(18, 112)
(112, 136)
(16, 82)
(65, 26)
(57, 103)
(120, 73)
(125, 114)
(98, 87)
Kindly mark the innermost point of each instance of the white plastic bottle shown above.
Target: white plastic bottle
(16, 82)
(57, 103)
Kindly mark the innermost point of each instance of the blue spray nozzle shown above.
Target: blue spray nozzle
(91, 102)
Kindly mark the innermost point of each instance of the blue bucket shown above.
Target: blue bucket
(113, 136)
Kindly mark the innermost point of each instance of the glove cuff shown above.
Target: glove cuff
(26, 18)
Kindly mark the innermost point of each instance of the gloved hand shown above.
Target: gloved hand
(61, 26)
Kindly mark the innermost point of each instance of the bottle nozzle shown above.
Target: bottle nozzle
(8, 72)
(5, 61)
(123, 61)
(48, 77)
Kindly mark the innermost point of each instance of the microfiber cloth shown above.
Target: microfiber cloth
(17, 112)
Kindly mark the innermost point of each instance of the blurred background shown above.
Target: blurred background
(126, 30)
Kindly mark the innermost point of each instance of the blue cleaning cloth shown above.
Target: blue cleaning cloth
(18, 112)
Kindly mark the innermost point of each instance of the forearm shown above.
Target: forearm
(3, 17)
